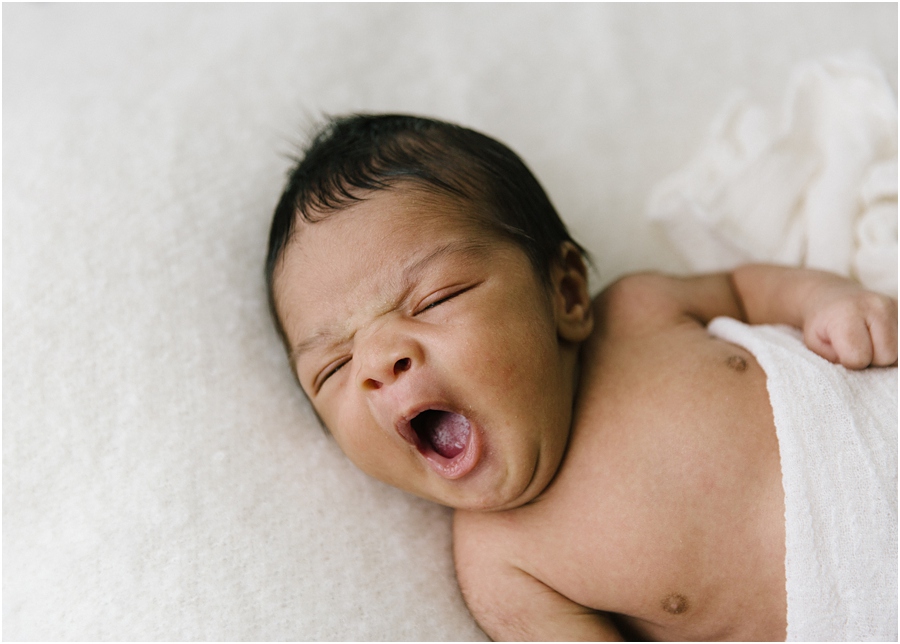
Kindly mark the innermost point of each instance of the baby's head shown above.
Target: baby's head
(432, 303)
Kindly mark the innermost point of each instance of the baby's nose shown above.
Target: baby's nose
(384, 357)
(400, 365)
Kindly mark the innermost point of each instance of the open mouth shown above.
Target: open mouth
(447, 440)
(442, 431)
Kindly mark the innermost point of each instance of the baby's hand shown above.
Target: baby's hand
(845, 323)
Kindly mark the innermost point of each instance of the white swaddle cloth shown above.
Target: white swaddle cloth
(816, 187)
(837, 434)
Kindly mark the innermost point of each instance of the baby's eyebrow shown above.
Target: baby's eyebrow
(408, 278)
(463, 247)
(319, 338)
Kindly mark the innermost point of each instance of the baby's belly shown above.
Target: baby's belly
(672, 486)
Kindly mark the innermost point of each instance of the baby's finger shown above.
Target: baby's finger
(883, 330)
(852, 343)
(818, 341)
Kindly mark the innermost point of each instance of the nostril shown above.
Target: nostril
(371, 383)
(379, 376)
(402, 365)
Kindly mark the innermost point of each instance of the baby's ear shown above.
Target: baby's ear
(571, 301)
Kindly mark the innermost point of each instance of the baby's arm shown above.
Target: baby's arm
(840, 320)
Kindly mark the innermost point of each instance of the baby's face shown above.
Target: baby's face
(429, 348)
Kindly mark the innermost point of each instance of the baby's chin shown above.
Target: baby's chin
(499, 488)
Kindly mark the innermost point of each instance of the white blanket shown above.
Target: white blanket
(817, 187)
(837, 433)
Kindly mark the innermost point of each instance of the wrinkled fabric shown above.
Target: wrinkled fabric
(816, 187)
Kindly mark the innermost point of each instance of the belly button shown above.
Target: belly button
(675, 604)
(737, 363)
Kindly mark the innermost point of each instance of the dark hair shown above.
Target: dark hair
(362, 152)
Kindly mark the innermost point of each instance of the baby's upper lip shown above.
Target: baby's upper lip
(403, 424)
(404, 428)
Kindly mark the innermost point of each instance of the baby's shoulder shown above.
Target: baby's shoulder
(509, 602)
(483, 553)
(481, 540)
(488, 549)
(639, 302)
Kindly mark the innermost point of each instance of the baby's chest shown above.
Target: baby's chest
(670, 416)
(636, 560)
(668, 505)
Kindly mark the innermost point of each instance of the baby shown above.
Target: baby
(614, 467)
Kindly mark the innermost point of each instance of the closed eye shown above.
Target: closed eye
(446, 298)
(330, 370)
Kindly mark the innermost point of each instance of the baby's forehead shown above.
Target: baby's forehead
(413, 208)
(376, 236)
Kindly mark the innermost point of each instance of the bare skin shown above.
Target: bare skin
(665, 520)
(674, 432)
(618, 474)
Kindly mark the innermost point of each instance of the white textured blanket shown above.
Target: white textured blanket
(837, 433)
(815, 186)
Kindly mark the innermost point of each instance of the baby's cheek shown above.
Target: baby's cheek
(350, 432)
(513, 355)
(365, 453)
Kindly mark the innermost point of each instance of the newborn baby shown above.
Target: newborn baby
(614, 467)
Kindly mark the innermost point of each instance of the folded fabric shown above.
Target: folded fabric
(818, 189)
(837, 435)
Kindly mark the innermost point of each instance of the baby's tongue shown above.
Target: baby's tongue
(447, 432)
